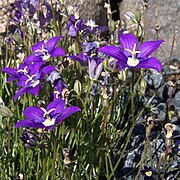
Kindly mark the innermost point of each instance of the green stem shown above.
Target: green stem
(54, 161)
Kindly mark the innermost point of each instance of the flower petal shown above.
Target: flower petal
(58, 104)
(52, 43)
(66, 113)
(151, 62)
(98, 70)
(39, 46)
(34, 113)
(34, 90)
(20, 92)
(92, 65)
(32, 58)
(148, 47)
(82, 58)
(128, 40)
(57, 52)
(28, 123)
(12, 72)
(114, 52)
(46, 70)
(22, 81)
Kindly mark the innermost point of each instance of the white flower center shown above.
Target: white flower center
(132, 62)
(46, 56)
(49, 122)
(34, 83)
(45, 53)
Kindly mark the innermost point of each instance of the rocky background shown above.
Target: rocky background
(161, 19)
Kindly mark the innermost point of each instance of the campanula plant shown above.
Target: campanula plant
(39, 117)
(29, 77)
(131, 55)
(43, 51)
(81, 112)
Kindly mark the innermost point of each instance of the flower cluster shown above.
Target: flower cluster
(32, 71)
(30, 77)
(90, 58)
(22, 11)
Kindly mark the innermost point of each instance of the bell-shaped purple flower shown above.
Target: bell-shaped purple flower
(39, 117)
(30, 139)
(59, 84)
(82, 58)
(43, 51)
(74, 25)
(132, 56)
(95, 67)
(31, 79)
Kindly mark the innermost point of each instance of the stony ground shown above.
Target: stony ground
(4, 6)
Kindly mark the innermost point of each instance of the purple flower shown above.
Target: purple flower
(44, 19)
(44, 51)
(15, 74)
(39, 117)
(91, 28)
(90, 46)
(31, 79)
(93, 62)
(131, 56)
(95, 67)
(82, 58)
(30, 140)
(21, 8)
(74, 25)
(58, 83)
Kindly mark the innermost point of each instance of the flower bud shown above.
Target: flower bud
(30, 139)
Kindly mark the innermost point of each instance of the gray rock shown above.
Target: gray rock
(162, 111)
(90, 10)
(176, 103)
(163, 14)
(154, 80)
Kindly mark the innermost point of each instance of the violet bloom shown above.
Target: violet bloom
(90, 46)
(95, 67)
(74, 25)
(15, 74)
(31, 79)
(43, 51)
(45, 18)
(22, 7)
(82, 58)
(91, 28)
(130, 56)
(39, 117)
(59, 84)
(30, 139)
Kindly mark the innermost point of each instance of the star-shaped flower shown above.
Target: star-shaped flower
(133, 56)
(43, 51)
(39, 117)
(31, 79)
